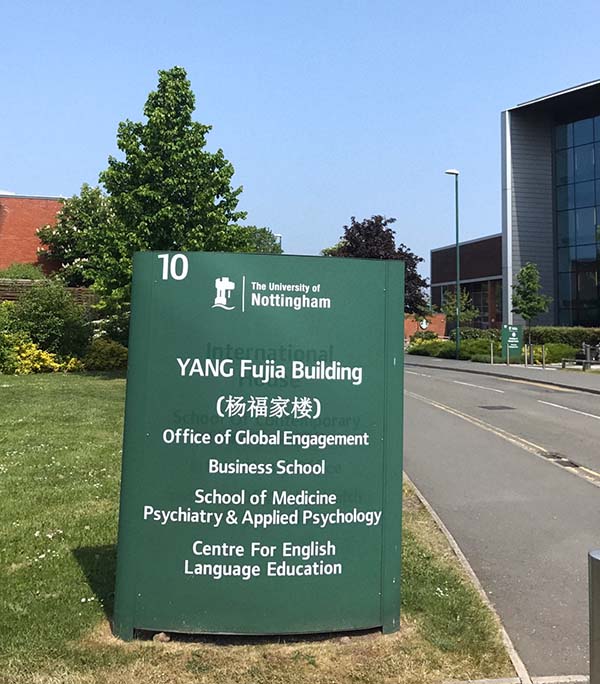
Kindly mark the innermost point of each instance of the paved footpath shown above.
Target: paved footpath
(575, 379)
(510, 462)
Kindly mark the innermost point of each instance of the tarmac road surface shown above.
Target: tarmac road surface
(513, 469)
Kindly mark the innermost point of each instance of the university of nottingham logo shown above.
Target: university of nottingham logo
(224, 288)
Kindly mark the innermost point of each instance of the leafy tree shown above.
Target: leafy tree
(527, 299)
(468, 313)
(79, 242)
(166, 193)
(373, 239)
(258, 240)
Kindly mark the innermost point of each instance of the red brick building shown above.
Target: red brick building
(435, 323)
(20, 217)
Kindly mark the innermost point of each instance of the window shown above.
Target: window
(585, 226)
(583, 131)
(566, 259)
(585, 194)
(577, 220)
(566, 228)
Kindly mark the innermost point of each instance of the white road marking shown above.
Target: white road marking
(423, 375)
(468, 384)
(531, 447)
(509, 437)
(566, 408)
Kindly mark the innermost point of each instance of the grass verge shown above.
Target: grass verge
(60, 439)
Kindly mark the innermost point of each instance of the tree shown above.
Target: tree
(258, 240)
(527, 299)
(373, 239)
(467, 314)
(166, 193)
(77, 244)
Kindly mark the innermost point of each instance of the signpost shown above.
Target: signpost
(262, 462)
(512, 342)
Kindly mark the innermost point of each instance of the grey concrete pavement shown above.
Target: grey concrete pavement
(575, 379)
(524, 524)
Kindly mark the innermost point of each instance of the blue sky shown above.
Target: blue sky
(326, 109)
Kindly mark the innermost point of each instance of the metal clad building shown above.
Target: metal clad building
(551, 201)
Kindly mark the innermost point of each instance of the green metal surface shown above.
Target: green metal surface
(512, 339)
(457, 267)
(262, 466)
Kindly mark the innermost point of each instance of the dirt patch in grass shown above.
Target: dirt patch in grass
(405, 657)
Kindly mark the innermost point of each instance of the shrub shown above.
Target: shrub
(555, 352)
(574, 337)
(116, 327)
(424, 335)
(476, 334)
(6, 316)
(22, 272)
(20, 356)
(72, 365)
(450, 353)
(32, 359)
(478, 346)
(9, 358)
(419, 350)
(52, 319)
(430, 347)
(105, 355)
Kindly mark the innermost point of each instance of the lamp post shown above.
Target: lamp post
(454, 172)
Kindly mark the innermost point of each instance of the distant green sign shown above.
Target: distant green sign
(262, 461)
(512, 339)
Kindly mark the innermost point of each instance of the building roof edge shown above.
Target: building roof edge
(558, 93)
(466, 242)
(11, 195)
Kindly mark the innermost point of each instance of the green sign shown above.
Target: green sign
(512, 339)
(262, 462)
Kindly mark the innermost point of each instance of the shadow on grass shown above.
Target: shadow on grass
(99, 565)
(260, 639)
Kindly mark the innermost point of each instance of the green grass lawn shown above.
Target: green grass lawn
(60, 445)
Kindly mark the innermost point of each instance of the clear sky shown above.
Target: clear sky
(327, 110)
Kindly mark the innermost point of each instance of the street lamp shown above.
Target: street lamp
(454, 172)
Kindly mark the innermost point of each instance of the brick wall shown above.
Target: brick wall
(437, 324)
(20, 217)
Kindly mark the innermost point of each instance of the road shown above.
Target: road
(513, 470)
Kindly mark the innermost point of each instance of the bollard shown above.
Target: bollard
(491, 353)
(594, 592)
(544, 356)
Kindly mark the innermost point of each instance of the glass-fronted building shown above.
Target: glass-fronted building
(577, 202)
(551, 201)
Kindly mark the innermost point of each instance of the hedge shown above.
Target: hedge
(467, 333)
(574, 337)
